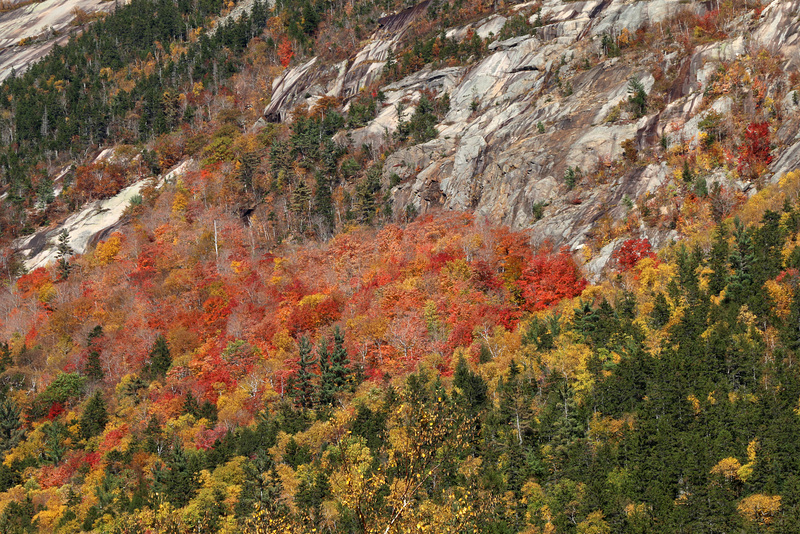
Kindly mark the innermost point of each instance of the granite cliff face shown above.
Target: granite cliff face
(539, 133)
(30, 31)
(540, 105)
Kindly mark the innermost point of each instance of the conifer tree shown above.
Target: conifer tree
(178, 480)
(327, 387)
(11, 429)
(304, 381)
(63, 253)
(340, 362)
(660, 314)
(718, 261)
(160, 359)
(6, 360)
(94, 417)
(473, 388)
(93, 368)
(154, 442)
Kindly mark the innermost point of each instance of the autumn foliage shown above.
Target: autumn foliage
(754, 152)
(631, 251)
(549, 278)
(285, 52)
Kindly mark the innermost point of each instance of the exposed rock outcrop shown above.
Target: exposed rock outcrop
(29, 32)
(508, 138)
(85, 227)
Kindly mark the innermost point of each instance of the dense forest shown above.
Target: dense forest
(266, 345)
(440, 376)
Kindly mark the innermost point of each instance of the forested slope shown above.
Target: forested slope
(296, 330)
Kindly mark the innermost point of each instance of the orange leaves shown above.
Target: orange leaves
(34, 281)
(549, 278)
(314, 311)
(97, 180)
(285, 52)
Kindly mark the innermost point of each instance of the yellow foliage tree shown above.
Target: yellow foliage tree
(760, 508)
(728, 468)
(107, 251)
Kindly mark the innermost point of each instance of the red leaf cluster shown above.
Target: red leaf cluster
(550, 277)
(754, 153)
(631, 251)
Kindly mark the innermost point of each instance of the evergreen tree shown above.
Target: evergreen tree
(6, 360)
(154, 439)
(327, 388)
(94, 418)
(64, 251)
(474, 390)
(304, 380)
(160, 359)
(741, 260)
(178, 480)
(94, 368)
(261, 488)
(718, 261)
(11, 429)
(340, 362)
(367, 196)
(310, 496)
(661, 313)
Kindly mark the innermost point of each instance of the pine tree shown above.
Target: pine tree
(304, 380)
(6, 360)
(741, 260)
(178, 480)
(323, 204)
(154, 438)
(718, 261)
(660, 314)
(63, 253)
(94, 418)
(261, 487)
(340, 362)
(160, 359)
(473, 388)
(93, 368)
(11, 429)
(327, 388)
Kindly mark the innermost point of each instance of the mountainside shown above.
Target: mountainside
(392, 267)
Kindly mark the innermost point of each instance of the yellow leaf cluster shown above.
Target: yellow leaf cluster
(728, 468)
(107, 251)
(760, 508)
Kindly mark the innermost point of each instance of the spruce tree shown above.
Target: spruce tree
(94, 418)
(660, 314)
(160, 359)
(93, 368)
(474, 390)
(327, 388)
(304, 381)
(63, 253)
(11, 429)
(6, 360)
(154, 442)
(340, 362)
(178, 480)
(718, 261)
